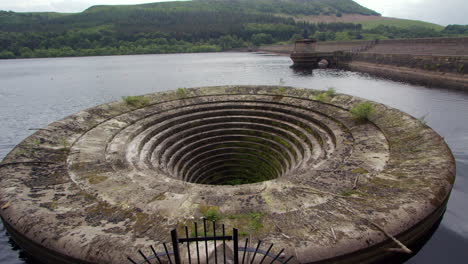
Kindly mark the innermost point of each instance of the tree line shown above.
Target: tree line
(107, 41)
(178, 27)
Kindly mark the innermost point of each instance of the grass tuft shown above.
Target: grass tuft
(182, 93)
(211, 213)
(331, 92)
(279, 91)
(135, 101)
(256, 221)
(363, 111)
(326, 96)
(360, 171)
(65, 146)
(349, 193)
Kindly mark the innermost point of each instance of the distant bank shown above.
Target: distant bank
(430, 61)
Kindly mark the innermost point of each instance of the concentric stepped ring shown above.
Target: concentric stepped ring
(118, 177)
(221, 142)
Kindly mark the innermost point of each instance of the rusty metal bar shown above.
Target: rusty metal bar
(155, 254)
(196, 241)
(175, 246)
(256, 250)
(266, 254)
(235, 239)
(131, 260)
(206, 242)
(167, 253)
(224, 246)
(288, 260)
(193, 239)
(143, 255)
(188, 245)
(245, 250)
(215, 249)
(277, 256)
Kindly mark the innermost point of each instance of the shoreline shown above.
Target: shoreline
(400, 73)
(411, 75)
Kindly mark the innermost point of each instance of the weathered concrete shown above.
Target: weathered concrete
(311, 60)
(439, 64)
(411, 75)
(97, 185)
(418, 46)
(418, 61)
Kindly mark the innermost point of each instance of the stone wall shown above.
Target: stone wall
(341, 45)
(450, 64)
(431, 61)
(320, 47)
(423, 46)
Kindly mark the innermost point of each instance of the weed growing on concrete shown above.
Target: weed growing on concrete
(136, 101)
(212, 214)
(65, 146)
(279, 91)
(182, 93)
(363, 111)
(360, 171)
(331, 92)
(321, 97)
(19, 151)
(349, 193)
(326, 96)
(256, 221)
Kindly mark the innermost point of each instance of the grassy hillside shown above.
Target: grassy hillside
(192, 26)
(400, 23)
(305, 7)
(163, 14)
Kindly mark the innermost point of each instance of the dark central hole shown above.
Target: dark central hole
(233, 143)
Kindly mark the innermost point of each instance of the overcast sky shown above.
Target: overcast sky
(437, 11)
(442, 12)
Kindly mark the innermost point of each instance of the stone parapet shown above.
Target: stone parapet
(109, 180)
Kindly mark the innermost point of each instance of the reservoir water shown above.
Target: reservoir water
(36, 92)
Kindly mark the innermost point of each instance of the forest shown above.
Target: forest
(193, 26)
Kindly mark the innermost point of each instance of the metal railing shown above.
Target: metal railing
(174, 256)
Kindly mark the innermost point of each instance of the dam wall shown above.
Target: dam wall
(320, 47)
(343, 45)
(447, 64)
(420, 46)
(423, 46)
(439, 62)
(417, 46)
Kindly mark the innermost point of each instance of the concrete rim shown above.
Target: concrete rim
(94, 187)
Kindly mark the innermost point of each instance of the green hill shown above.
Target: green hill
(400, 23)
(163, 14)
(183, 26)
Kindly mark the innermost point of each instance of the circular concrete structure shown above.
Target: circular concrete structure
(288, 166)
